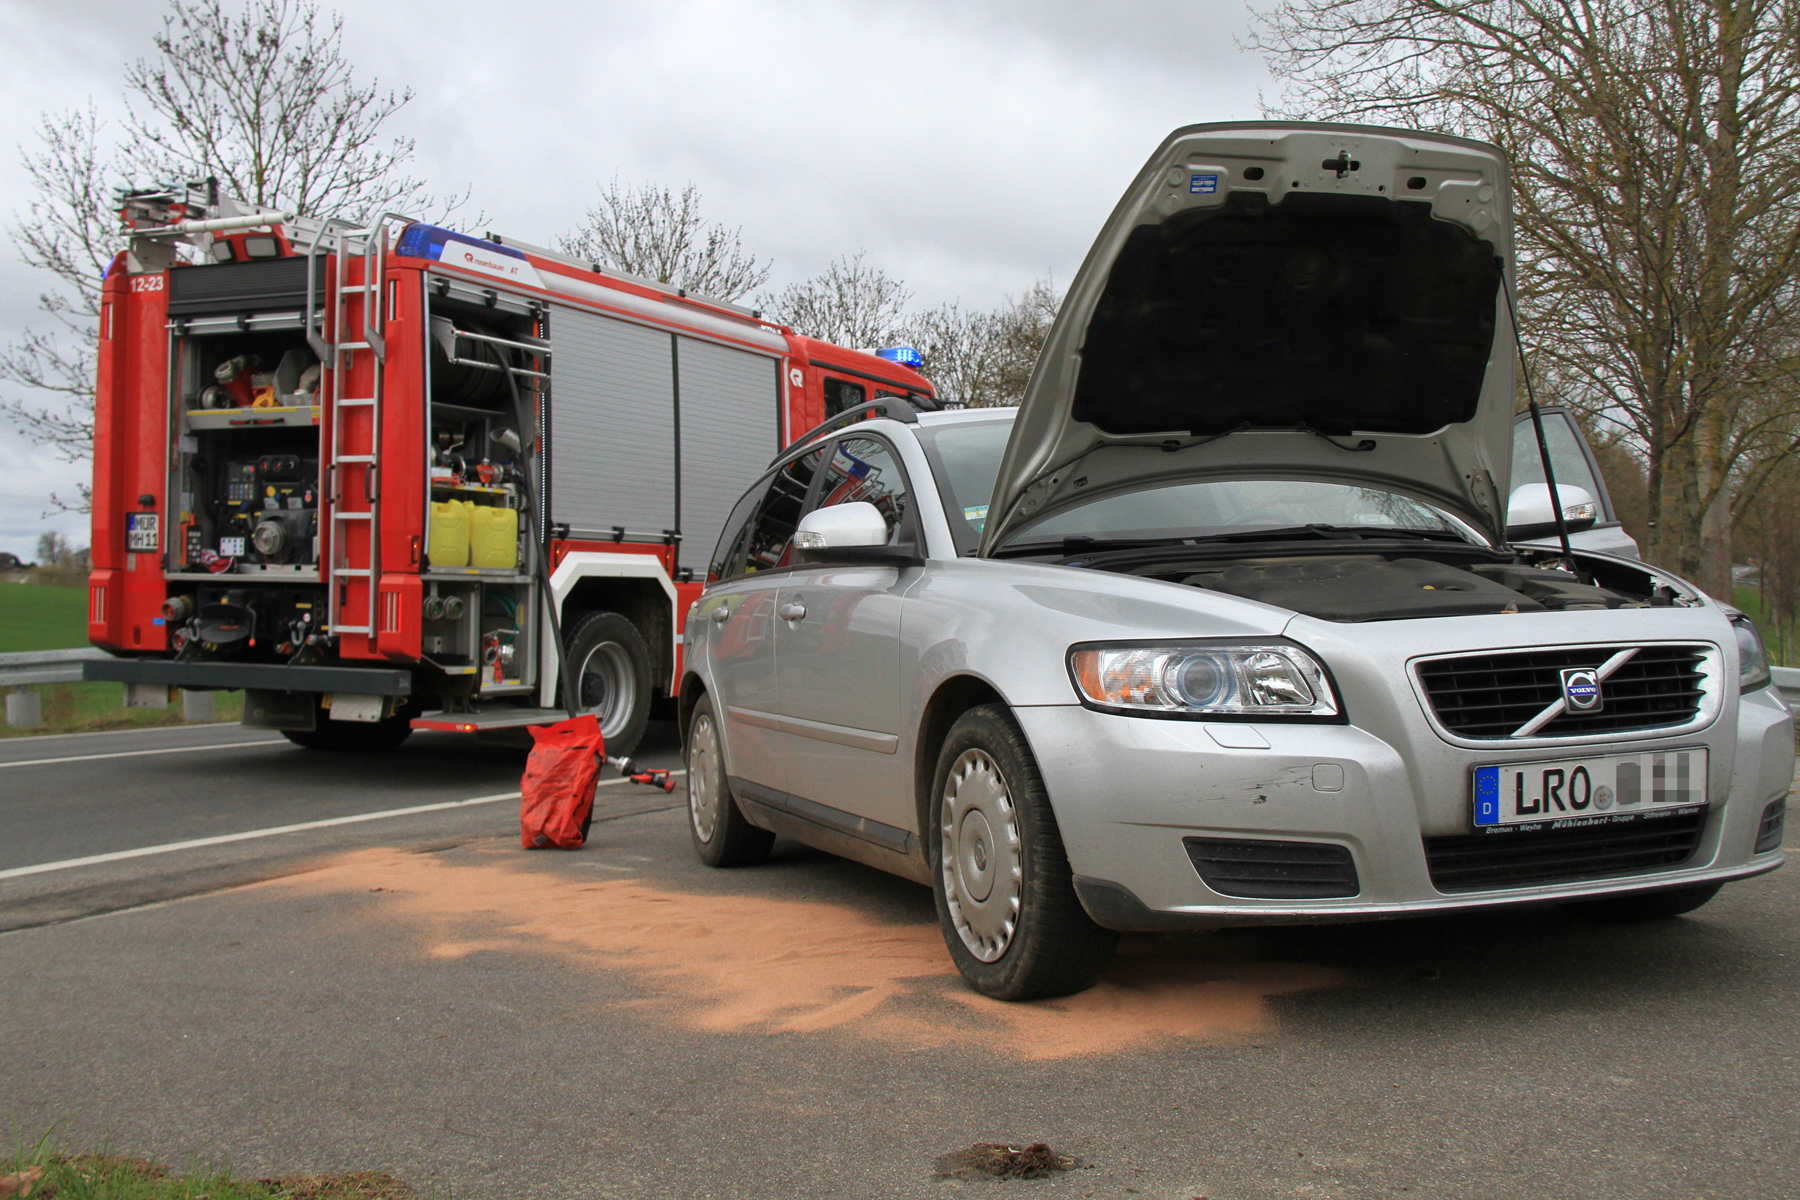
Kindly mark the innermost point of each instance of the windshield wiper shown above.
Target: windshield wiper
(1081, 544)
(1069, 547)
(1335, 533)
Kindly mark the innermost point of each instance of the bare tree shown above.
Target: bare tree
(851, 303)
(264, 100)
(660, 235)
(1656, 155)
(984, 358)
(961, 349)
(1022, 325)
(66, 231)
(56, 552)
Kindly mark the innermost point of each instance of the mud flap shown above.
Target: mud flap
(296, 712)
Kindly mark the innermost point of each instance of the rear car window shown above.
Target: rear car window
(771, 533)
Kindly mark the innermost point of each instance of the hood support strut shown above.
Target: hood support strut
(1537, 425)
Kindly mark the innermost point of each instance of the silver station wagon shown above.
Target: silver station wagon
(1225, 622)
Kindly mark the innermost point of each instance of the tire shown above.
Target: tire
(608, 658)
(360, 736)
(722, 836)
(1646, 906)
(1005, 896)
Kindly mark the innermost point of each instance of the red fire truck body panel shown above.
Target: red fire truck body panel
(309, 489)
(125, 611)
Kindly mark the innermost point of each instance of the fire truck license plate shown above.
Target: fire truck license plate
(1589, 791)
(140, 531)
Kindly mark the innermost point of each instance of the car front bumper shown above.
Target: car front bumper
(1127, 790)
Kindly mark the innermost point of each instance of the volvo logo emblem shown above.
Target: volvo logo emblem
(1581, 690)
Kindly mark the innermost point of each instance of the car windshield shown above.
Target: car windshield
(967, 460)
(965, 457)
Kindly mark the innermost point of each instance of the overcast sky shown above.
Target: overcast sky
(971, 148)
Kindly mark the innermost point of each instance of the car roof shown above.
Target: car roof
(966, 416)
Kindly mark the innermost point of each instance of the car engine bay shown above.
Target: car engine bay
(1385, 581)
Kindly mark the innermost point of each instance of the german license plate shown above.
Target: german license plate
(1594, 790)
(141, 531)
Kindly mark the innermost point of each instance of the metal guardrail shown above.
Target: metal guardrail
(46, 666)
(1788, 680)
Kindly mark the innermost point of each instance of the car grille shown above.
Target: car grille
(1774, 822)
(1493, 695)
(1273, 870)
(1483, 861)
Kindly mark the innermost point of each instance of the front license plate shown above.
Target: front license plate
(1593, 790)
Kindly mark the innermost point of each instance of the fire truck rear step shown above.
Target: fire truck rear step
(500, 718)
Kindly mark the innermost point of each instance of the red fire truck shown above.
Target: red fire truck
(356, 471)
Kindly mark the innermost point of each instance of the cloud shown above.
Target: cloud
(970, 149)
(27, 478)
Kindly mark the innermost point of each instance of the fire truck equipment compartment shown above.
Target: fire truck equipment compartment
(618, 458)
(556, 796)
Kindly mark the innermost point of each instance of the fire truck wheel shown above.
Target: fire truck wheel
(611, 666)
(722, 837)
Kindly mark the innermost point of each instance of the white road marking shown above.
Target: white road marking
(222, 839)
(94, 733)
(44, 762)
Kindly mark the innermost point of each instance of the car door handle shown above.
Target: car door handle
(793, 610)
(720, 615)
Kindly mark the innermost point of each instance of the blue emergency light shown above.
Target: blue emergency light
(419, 240)
(906, 356)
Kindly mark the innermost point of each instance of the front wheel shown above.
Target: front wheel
(611, 665)
(722, 837)
(1005, 893)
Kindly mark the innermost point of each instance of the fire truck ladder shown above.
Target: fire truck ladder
(341, 359)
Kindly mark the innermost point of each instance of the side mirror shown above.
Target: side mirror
(854, 526)
(1529, 514)
(854, 532)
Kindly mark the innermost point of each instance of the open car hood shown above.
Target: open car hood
(1287, 301)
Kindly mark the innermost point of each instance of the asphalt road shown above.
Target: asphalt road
(416, 994)
(78, 796)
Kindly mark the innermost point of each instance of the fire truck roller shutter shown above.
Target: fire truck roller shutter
(612, 424)
(730, 426)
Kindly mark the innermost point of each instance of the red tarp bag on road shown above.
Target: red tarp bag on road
(557, 794)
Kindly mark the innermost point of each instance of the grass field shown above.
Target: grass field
(36, 616)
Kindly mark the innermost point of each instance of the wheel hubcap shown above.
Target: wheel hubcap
(608, 687)
(983, 880)
(705, 790)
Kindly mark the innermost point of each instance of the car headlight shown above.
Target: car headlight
(1267, 679)
(1753, 660)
